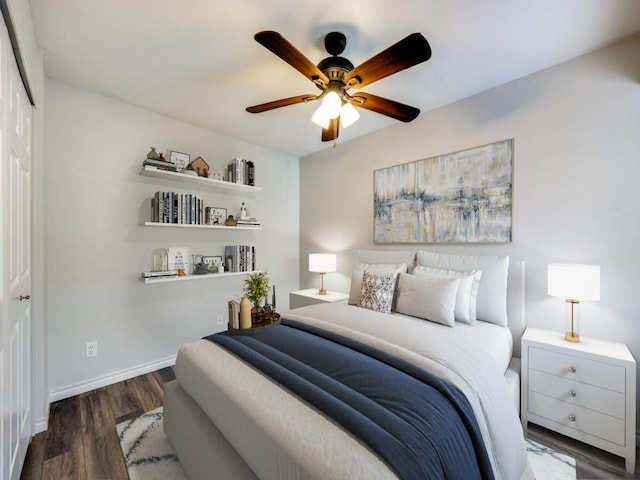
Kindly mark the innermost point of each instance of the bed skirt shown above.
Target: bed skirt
(202, 449)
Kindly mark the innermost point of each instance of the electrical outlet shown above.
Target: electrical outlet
(219, 319)
(91, 349)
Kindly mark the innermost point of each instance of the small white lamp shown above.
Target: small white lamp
(574, 283)
(322, 263)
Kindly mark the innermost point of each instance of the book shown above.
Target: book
(247, 221)
(163, 273)
(240, 258)
(234, 314)
(251, 174)
(160, 164)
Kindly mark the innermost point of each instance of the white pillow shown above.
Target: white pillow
(466, 298)
(388, 257)
(492, 292)
(356, 276)
(377, 291)
(428, 297)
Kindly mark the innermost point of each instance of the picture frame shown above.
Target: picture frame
(178, 258)
(454, 198)
(215, 215)
(181, 160)
(213, 260)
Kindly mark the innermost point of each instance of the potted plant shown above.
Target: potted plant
(256, 289)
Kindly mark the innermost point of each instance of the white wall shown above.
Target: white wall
(96, 247)
(576, 196)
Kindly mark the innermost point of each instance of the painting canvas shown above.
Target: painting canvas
(461, 197)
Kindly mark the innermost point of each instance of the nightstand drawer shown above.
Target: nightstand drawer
(577, 368)
(579, 418)
(577, 393)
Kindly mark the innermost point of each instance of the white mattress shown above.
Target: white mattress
(280, 437)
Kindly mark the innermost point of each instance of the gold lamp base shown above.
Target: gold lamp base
(573, 317)
(322, 290)
(572, 337)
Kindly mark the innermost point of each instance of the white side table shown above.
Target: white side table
(302, 298)
(584, 390)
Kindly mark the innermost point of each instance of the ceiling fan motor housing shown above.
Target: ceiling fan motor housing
(335, 67)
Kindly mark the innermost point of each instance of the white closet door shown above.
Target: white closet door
(15, 268)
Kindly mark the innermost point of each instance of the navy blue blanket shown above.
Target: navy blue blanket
(421, 426)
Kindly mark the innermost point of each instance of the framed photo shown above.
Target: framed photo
(213, 260)
(181, 160)
(215, 215)
(178, 258)
(459, 197)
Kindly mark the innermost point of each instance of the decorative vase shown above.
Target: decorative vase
(160, 260)
(153, 155)
(245, 313)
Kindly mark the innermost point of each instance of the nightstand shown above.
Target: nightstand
(302, 298)
(584, 390)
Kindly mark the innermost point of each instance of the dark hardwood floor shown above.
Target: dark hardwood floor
(591, 463)
(81, 442)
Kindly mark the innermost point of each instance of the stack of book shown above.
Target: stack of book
(164, 273)
(172, 207)
(241, 171)
(161, 164)
(240, 258)
(249, 221)
(234, 314)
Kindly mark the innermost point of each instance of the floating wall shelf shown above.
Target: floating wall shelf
(149, 171)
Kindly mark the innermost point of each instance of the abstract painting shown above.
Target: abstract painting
(461, 197)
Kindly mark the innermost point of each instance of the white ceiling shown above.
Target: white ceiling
(197, 61)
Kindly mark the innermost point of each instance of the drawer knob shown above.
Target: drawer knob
(572, 369)
(572, 393)
(572, 417)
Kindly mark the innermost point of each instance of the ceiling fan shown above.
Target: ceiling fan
(335, 76)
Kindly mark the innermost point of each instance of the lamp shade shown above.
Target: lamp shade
(348, 115)
(322, 262)
(574, 281)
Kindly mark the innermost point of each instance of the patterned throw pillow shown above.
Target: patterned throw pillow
(377, 291)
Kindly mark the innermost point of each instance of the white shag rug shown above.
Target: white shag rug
(149, 456)
(146, 449)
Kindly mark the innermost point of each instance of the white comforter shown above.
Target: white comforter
(281, 438)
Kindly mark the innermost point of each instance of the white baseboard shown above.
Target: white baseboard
(87, 386)
(41, 425)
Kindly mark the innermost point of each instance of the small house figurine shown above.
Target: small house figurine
(201, 167)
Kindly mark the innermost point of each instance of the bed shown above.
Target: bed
(225, 419)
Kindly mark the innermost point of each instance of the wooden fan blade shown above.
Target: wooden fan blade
(331, 133)
(278, 45)
(263, 107)
(390, 108)
(408, 52)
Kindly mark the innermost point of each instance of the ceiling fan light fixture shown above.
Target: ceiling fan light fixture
(348, 115)
(321, 117)
(332, 104)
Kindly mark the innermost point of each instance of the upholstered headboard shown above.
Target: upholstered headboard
(514, 283)
(515, 303)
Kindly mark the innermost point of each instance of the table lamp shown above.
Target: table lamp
(322, 263)
(574, 283)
